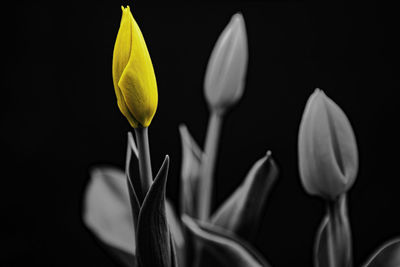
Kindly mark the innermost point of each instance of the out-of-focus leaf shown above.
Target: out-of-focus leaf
(176, 232)
(124, 258)
(340, 236)
(386, 256)
(190, 172)
(229, 249)
(243, 210)
(106, 209)
(153, 237)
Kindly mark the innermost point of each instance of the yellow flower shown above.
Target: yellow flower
(133, 74)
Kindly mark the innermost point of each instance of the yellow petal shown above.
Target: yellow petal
(138, 82)
(121, 55)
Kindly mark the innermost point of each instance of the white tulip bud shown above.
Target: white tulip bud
(328, 158)
(226, 70)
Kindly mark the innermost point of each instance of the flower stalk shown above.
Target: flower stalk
(207, 171)
(339, 243)
(331, 210)
(146, 175)
(223, 86)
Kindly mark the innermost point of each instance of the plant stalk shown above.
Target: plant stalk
(331, 234)
(146, 175)
(339, 234)
(208, 165)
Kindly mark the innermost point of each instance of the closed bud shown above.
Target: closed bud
(133, 74)
(328, 158)
(226, 70)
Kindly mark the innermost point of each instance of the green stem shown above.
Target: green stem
(146, 176)
(208, 165)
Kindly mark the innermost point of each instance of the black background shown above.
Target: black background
(59, 115)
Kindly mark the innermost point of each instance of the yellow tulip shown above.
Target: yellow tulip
(133, 74)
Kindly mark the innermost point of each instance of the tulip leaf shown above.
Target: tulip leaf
(122, 257)
(154, 246)
(132, 167)
(229, 249)
(133, 197)
(334, 229)
(107, 213)
(176, 232)
(387, 255)
(190, 173)
(243, 210)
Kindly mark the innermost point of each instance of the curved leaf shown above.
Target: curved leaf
(132, 145)
(243, 210)
(124, 258)
(133, 196)
(190, 172)
(176, 232)
(230, 250)
(386, 256)
(153, 237)
(106, 209)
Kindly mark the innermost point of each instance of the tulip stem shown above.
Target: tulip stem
(208, 165)
(339, 234)
(146, 176)
(331, 234)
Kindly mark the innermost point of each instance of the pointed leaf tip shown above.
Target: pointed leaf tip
(132, 144)
(153, 236)
(190, 172)
(243, 210)
(189, 143)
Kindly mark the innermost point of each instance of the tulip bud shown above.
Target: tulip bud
(328, 158)
(133, 74)
(226, 70)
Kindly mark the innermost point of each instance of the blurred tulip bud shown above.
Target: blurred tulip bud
(386, 256)
(133, 74)
(226, 70)
(328, 158)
